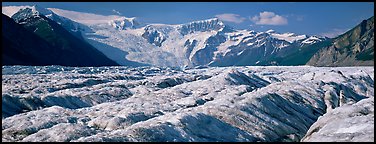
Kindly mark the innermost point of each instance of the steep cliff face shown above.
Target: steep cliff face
(353, 48)
(20, 46)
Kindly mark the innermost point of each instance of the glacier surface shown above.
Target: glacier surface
(227, 104)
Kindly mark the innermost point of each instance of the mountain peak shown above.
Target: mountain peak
(201, 25)
(289, 37)
(37, 10)
(270, 31)
(24, 14)
(211, 20)
(30, 11)
(123, 23)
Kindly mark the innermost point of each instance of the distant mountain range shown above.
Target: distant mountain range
(85, 39)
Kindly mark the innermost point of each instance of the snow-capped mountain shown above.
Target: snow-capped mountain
(32, 11)
(204, 42)
(201, 26)
(36, 10)
(124, 23)
(289, 37)
(33, 39)
(312, 40)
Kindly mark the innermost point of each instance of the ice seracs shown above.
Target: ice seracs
(253, 103)
(123, 23)
(348, 123)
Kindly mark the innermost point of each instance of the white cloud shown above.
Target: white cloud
(235, 18)
(269, 18)
(334, 33)
(117, 12)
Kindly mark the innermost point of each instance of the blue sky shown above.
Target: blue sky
(312, 18)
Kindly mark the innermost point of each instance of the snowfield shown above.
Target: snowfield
(230, 104)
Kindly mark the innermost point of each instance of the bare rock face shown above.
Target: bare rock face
(354, 48)
(348, 123)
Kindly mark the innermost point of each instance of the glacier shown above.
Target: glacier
(163, 104)
(207, 42)
(350, 123)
